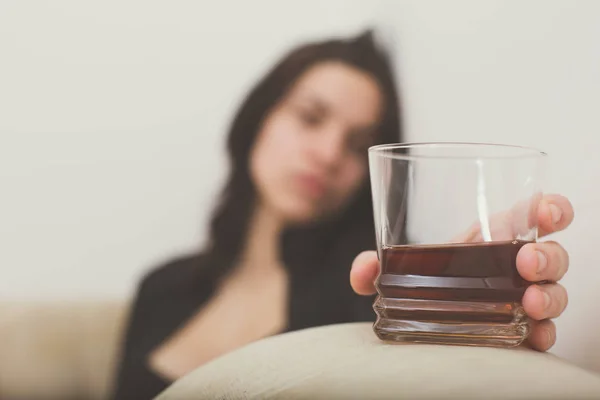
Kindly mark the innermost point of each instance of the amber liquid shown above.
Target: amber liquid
(457, 293)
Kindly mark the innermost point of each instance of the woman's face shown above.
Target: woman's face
(310, 156)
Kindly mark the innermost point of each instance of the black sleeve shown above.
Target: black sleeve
(364, 309)
(134, 379)
(166, 298)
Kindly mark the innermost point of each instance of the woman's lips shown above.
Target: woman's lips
(312, 185)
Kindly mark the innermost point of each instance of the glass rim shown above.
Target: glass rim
(386, 150)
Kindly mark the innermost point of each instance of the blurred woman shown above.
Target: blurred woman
(295, 211)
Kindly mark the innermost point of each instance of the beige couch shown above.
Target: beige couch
(68, 351)
(59, 350)
(348, 362)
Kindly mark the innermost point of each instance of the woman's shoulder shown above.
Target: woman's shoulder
(175, 275)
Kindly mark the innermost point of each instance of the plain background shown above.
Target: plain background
(113, 116)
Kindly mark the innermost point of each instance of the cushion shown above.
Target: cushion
(348, 361)
(59, 349)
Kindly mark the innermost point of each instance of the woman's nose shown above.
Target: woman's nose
(328, 150)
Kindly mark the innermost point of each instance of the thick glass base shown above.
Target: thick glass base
(451, 322)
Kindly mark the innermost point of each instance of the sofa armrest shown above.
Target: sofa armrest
(347, 361)
(59, 349)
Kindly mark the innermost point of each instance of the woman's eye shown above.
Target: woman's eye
(310, 118)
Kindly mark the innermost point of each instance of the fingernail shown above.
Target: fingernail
(549, 337)
(556, 213)
(547, 299)
(542, 262)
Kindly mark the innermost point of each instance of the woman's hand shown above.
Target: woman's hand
(542, 261)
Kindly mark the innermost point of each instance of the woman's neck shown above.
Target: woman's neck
(262, 248)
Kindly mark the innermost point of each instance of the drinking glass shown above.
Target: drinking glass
(450, 219)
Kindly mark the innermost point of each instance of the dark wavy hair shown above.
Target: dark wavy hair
(303, 247)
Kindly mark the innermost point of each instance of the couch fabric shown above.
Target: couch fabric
(349, 362)
(59, 350)
(69, 351)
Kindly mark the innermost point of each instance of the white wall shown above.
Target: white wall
(521, 72)
(111, 115)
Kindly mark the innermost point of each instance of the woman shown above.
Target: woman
(295, 211)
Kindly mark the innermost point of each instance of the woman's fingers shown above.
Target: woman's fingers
(551, 213)
(363, 273)
(545, 301)
(543, 335)
(543, 261)
(555, 213)
(542, 302)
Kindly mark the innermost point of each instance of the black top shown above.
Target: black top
(170, 295)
